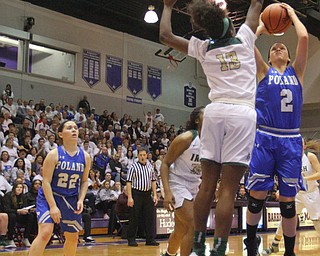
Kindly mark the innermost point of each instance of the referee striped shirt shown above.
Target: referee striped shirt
(141, 176)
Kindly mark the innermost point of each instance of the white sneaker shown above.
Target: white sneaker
(227, 249)
(26, 242)
(11, 244)
(106, 216)
(89, 240)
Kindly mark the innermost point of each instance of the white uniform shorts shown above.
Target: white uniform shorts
(183, 190)
(228, 132)
(310, 201)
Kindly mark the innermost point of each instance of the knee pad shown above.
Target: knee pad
(288, 209)
(255, 205)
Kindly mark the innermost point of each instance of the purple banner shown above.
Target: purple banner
(114, 72)
(91, 67)
(154, 82)
(134, 77)
(190, 95)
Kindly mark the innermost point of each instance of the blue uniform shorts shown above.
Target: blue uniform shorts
(279, 155)
(70, 221)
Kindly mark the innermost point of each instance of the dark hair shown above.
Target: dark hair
(34, 148)
(60, 129)
(16, 163)
(131, 155)
(36, 158)
(4, 151)
(208, 16)
(61, 126)
(16, 200)
(32, 185)
(193, 122)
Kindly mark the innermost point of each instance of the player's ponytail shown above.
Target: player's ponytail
(193, 122)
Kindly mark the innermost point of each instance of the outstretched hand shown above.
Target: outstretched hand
(289, 9)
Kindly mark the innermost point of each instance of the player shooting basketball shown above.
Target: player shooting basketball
(278, 143)
(229, 121)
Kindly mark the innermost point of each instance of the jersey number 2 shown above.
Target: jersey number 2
(234, 62)
(286, 101)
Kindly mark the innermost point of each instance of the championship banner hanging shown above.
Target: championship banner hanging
(91, 67)
(190, 95)
(134, 77)
(113, 72)
(154, 82)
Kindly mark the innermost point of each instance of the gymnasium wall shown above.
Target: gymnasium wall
(84, 35)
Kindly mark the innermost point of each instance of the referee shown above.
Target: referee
(142, 198)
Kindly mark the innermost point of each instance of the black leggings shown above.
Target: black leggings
(28, 221)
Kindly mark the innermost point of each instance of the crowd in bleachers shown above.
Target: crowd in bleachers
(28, 132)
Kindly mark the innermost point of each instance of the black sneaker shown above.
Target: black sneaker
(252, 248)
(132, 243)
(198, 250)
(88, 240)
(152, 243)
(214, 252)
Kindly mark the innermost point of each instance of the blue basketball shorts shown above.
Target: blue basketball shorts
(279, 155)
(70, 221)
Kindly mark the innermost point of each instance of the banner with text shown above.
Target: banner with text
(190, 95)
(134, 77)
(91, 67)
(113, 72)
(273, 217)
(165, 221)
(154, 82)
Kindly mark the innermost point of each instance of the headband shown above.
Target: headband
(226, 23)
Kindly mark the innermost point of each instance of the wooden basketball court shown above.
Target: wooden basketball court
(307, 243)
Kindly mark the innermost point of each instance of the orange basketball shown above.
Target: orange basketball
(276, 19)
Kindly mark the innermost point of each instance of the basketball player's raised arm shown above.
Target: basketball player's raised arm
(253, 14)
(262, 67)
(166, 35)
(48, 169)
(177, 147)
(300, 62)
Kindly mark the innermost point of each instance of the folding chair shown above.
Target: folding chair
(18, 234)
(57, 234)
(121, 223)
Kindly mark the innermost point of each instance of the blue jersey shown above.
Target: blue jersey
(279, 100)
(67, 173)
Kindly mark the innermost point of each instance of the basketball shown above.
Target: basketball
(276, 19)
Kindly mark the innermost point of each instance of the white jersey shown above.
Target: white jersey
(229, 65)
(307, 170)
(187, 166)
